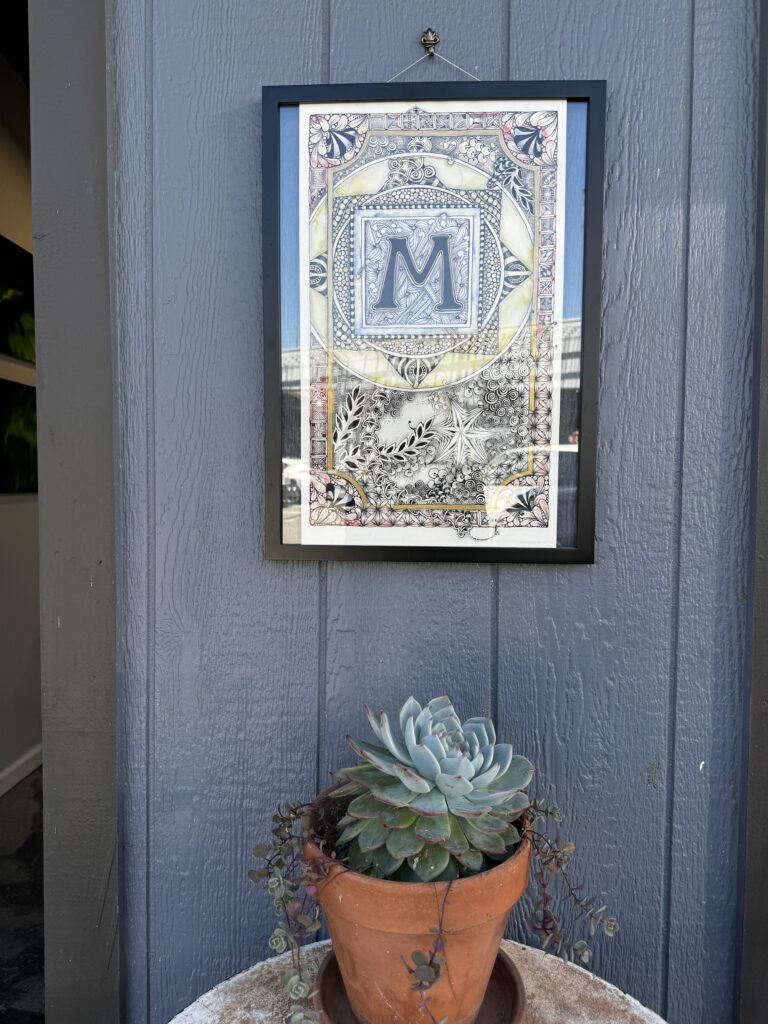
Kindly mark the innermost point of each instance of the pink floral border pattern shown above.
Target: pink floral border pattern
(336, 138)
(532, 136)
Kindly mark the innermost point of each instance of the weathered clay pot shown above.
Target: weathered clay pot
(375, 924)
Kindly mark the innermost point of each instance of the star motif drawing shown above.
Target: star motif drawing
(462, 437)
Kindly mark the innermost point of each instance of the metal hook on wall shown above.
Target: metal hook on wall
(429, 40)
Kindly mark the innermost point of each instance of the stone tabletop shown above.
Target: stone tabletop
(556, 993)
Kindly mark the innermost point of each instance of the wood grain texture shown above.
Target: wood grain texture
(76, 509)
(585, 654)
(239, 678)
(372, 41)
(754, 977)
(236, 637)
(594, 684)
(396, 629)
(710, 723)
(132, 268)
(220, 647)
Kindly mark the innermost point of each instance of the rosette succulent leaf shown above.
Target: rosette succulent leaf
(437, 801)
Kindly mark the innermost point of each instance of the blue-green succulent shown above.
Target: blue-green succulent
(437, 801)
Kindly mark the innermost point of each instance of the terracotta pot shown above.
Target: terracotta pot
(375, 923)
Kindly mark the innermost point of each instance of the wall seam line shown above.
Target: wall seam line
(670, 773)
(493, 681)
(327, 40)
(496, 567)
(749, 992)
(321, 753)
(322, 675)
(149, 170)
(752, 570)
(494, 572)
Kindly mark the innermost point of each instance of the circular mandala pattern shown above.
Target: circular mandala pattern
(423, 181)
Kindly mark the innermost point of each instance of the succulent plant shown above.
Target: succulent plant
(437, 802)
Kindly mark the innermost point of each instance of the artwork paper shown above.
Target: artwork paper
(431, 294)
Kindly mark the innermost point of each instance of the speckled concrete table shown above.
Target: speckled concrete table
(556, 994)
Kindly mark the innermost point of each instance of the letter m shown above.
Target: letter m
(399, 250)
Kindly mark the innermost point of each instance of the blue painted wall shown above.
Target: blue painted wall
(624, 681)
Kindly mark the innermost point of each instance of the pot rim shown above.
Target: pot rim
(465, 883)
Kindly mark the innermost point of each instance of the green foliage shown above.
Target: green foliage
(18, 438)
(435, 801)
(551, 859)
(17, 324)
(18, 422)
(290, 884)
(440, 801)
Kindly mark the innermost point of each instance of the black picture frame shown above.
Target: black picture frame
(274, 98)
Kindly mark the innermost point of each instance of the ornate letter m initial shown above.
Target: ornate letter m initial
(399, 249)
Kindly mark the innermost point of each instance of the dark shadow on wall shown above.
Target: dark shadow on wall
(21, 902)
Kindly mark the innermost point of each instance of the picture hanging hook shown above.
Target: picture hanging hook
(429, 41)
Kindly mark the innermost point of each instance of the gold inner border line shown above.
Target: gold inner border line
(497, 133)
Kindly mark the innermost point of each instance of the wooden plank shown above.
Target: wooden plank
(754, 977)
(76, 507)
(132, 327)
(399, 628)
(372, 42)
(715, 546)
(586, 654)
(224, 657)
(233, 714)
(17, 370)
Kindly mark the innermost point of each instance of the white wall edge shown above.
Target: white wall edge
(21, 768)
(17, 370)
(25, 498)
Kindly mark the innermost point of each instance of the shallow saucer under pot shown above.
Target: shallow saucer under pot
(504, 1001)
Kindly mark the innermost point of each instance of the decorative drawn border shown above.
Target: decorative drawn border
(530, 138)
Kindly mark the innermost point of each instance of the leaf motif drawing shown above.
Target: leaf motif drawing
(412, 444)
(352, 459)
(507, 175)
(349, 417)
(524, 196)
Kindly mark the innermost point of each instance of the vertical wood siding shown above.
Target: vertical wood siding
(76, 508)
(623, 681)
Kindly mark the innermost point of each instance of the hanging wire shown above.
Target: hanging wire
(420, 59)
(433, 53)
(462, 70)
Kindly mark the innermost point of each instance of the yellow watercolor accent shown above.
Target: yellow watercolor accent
(459, 363)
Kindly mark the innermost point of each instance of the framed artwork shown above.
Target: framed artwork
(432, 263)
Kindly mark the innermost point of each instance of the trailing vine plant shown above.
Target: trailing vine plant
(393, 839)
(427, 967)
(551, 858)
(292, 886)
